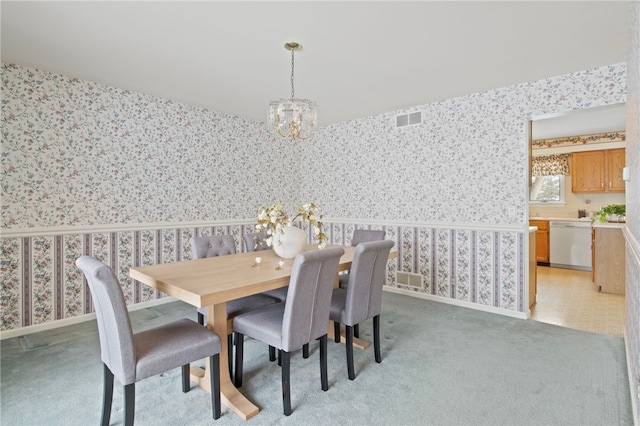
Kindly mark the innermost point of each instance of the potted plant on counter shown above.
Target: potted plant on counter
(612, 213)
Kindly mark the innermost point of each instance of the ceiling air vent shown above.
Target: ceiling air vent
(412, 119)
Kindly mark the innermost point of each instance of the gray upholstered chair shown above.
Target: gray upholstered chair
(302, 318)
(210, 246)
(361, 236)
(255, 242)
(133, 357)
(362, 299)
(220, 245)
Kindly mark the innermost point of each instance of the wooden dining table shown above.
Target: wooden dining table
(211, 282)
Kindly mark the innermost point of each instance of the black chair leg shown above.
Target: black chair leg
(376, 338)
(356, 330)
(324, 379)
(214, 372)
(186, 379)
(272, 353)
(230, 353)
(336, 331)
(239, 338)
(286, 383)
(200, 318)
(107, 396)
(349, 349)
(129, 403)
(305, 351)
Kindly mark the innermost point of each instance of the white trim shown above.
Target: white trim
(430, 224)
(50, 325)
(461, 303)
(65, 230)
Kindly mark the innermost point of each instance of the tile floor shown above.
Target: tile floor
(570, 299)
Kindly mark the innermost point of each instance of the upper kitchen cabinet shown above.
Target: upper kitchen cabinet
(588, 171)
(598, 171)
(615, 163)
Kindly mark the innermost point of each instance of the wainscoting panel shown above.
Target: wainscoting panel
(40, 282)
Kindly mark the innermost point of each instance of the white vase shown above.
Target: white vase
(290, 242)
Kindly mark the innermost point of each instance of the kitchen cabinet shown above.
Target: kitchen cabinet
(598, 171)
(542, 240)
(609, 255)
(615, 163)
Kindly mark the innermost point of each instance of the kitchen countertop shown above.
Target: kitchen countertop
(614, 225)
(596, 223)
(563, 219)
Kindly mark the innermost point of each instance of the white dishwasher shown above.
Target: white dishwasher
(570, 245)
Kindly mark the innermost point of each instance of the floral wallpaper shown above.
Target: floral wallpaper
(98, 170)
(632, 330)
(49, 287)
(78, 153)
(467, 163)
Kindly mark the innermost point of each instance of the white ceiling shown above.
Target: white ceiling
(358, 58)
(589, 121)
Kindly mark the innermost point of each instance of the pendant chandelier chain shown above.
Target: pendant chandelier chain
(292, 65)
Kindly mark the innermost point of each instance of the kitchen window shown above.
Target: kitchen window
(547, 178)
(547, 189)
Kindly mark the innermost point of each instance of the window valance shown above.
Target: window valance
(550, 165)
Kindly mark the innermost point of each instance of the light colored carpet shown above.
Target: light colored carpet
(442, 365)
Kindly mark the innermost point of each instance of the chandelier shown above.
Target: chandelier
(292, 118)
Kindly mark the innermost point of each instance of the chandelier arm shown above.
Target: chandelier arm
(282, 135)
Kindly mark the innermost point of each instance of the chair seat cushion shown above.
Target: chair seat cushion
(249, 303)
(246, 304)
(338, 303)
(172, 345)
(279, 293)
(264, 324)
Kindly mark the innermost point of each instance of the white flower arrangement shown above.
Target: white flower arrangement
(273, 219)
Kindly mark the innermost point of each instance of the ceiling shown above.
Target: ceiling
(357, 59)
(610, 118)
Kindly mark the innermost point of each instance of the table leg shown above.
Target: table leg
(229, 394)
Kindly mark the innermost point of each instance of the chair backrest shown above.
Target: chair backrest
(114, 327)
(306, 312)
(366, 235)
(212, 245)
(367, 275)
(254, 241)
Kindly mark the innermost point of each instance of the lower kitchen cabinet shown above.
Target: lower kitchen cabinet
(542, 240)
(609, 258)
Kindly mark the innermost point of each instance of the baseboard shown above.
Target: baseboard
(461, 303)
(7, 334)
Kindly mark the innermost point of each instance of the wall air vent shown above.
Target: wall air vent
(409, 279)
(403, 120)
